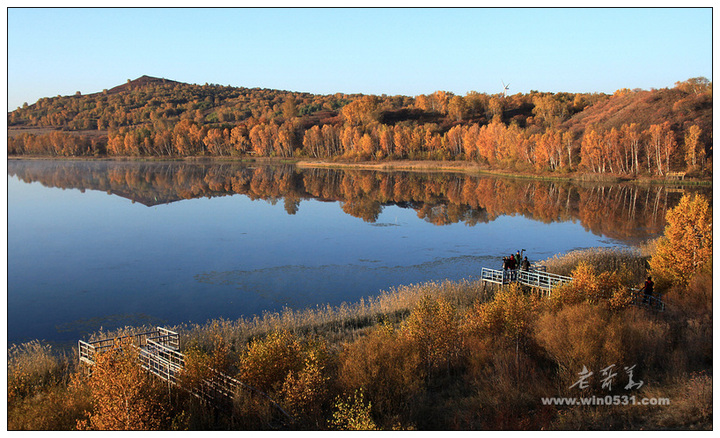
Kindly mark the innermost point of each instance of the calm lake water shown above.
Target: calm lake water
(108, 244)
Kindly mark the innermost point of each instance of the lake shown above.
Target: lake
(107, 244)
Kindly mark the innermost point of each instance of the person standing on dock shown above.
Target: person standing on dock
(525, 266)
(648, 289)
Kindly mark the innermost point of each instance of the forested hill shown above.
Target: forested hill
(629, 132)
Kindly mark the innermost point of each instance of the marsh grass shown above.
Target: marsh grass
(433, 356)
(633, 261)
(337, 324)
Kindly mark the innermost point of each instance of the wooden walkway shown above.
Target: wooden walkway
(546, 282)
(532, 278)
(159, 353)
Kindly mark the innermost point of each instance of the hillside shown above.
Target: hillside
(646, 108)
(535, 132)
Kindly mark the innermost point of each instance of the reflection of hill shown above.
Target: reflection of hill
(622, 211)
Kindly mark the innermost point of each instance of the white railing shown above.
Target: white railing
(158, 353)
(160, 336)
(542, 280)
(547, 282)
(533, 278)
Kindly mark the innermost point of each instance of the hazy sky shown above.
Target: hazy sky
(373, 51)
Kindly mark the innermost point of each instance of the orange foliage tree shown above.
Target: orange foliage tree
(125, 397)
(687, 243)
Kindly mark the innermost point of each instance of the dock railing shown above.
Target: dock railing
(160, 336)
(533, 278)
(159, 353)
(542, 280)
(547, 281)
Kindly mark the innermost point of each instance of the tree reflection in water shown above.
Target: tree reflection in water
(628, 212)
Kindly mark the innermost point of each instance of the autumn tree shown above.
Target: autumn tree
(694, 149)
(285, 143)
(216, 141)
(591, 151)
(694, 85)
(687, 243)
(239, 138)
(331, 140)
(125, 397)
(548, 110)
(313, 142)
(631, 137)
(661, 144)
(495, 109)
(289, 108)
(457, 108)
(361, 111)
(611, 150)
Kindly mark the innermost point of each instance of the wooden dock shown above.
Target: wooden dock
(532, 278)
(159, 353)
(546, 282)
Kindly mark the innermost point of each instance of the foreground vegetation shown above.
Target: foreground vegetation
(450, 355)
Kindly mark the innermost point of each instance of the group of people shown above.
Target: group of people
(514, 261)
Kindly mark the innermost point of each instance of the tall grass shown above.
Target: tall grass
(336, 323)
(632, 260)
(438, 355)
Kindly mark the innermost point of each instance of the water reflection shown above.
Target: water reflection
(628, 212)
(79, 259)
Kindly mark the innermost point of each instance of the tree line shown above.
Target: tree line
(537, 132)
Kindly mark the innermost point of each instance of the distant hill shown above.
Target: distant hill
(162, 117)
(142, 81)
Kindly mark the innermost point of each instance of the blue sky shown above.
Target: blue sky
(373, 51)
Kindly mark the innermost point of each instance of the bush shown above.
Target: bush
(266, 362)
(352, 413)
(574, 337)
(507, 320)
(306, 391)
(32, 366)
(43, 392)
(389, 370)
(433, 329)
(587, 286)
(124, 396)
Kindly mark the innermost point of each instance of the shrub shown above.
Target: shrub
(507, 319)
(587, 286)
(32, 366)
(574, 337)
(201, 365)
(266, 362)
(433, 329)
(635, 337)
(352, 413)
(304, 392)
(124, 396)
(694, 299)
(388, 368)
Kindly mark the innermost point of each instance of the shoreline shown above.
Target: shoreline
(464, 167)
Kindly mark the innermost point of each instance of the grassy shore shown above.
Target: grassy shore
(465, 167)
(439, 355)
